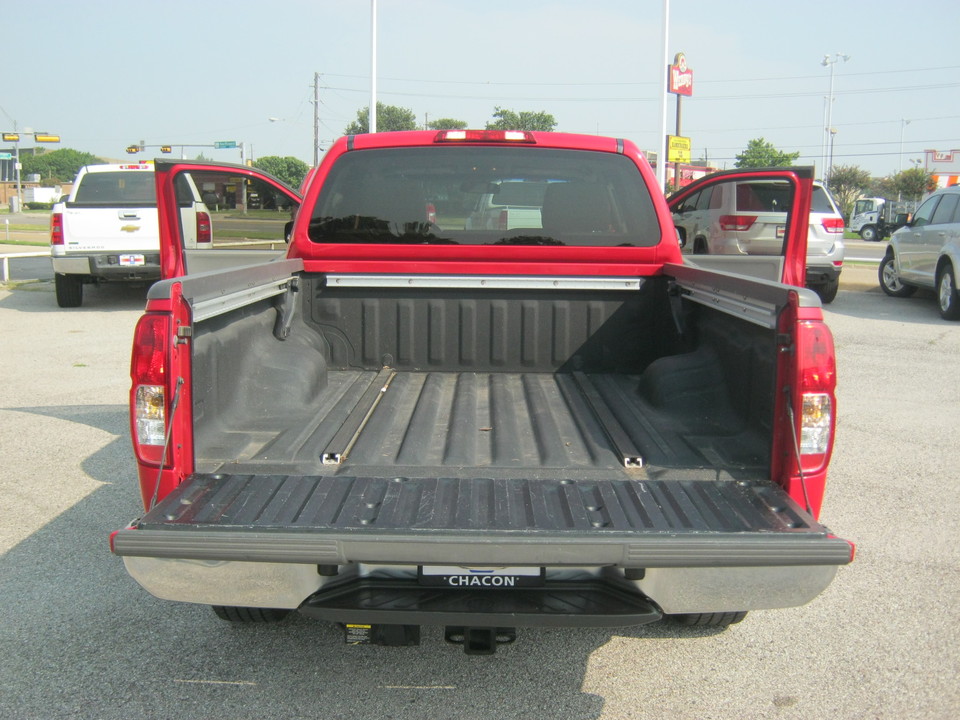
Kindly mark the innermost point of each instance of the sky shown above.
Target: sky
(104, 74)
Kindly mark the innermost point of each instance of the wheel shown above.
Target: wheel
(868, 233)
(947, 293)
(700, 246)
(890, 280)
(250, 614)
(827, 291)
(69, 290)
(723, 619)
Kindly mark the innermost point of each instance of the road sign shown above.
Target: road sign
(678, 149)
(225, 144)
(6, 156)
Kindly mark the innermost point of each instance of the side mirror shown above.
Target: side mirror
(287, 230)
(902, 219)
(681, 237)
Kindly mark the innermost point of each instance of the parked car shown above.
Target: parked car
(926, 253)
(749, 218)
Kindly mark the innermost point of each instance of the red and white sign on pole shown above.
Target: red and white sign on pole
(680, 76)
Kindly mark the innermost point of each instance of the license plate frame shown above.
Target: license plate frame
(132, 260)
(480, 578)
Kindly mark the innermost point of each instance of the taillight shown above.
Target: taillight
(431, 213)
(148, 372)
(56, 229)
(730, 223)
(502, 224)
(818, 379)
(204, 230)
(833, 225)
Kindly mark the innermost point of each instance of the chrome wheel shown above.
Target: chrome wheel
(890, 281)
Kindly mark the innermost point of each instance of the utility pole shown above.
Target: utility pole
(316, 119)
(372, 120)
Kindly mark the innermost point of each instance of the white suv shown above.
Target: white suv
(750, 217)
(926, 253)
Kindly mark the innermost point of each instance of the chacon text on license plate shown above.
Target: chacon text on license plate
(480, 577)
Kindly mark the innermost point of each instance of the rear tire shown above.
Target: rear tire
(947, 296)
(827, 291)
(250, 614)
(700, 246)
(69, 290)
(890, 281)
(716, 620)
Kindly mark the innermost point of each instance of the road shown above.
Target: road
(81, 640)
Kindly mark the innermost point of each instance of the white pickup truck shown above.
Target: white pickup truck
(107, 229)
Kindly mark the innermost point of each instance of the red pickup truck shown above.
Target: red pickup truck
(408, 420)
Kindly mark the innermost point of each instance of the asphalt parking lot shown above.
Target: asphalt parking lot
(82, 640)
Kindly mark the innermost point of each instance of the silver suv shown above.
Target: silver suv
(750, 218)
(926, 253)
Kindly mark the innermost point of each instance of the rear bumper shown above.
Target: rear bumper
(823, 274)
(360, 594)
(109, 266)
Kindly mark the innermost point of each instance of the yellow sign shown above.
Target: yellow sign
(678, 149)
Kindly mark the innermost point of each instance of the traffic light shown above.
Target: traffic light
(11, 137)
(45, 137)
(166, 149)
(133, 149)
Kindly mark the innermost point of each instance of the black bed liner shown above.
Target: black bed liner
(337, 519)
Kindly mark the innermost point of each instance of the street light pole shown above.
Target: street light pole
(829, 129)
(903, 125)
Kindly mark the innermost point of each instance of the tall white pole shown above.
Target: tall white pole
(373, 66)
(662, 150)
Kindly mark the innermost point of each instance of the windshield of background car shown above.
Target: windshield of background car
(485, 196)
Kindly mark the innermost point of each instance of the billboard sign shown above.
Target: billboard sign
(680, 76)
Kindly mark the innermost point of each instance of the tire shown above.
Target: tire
(868, 233)
(69, 290)
(700, 246)
(890, 281)
(947, 296)
(250, 614)
(827, 291)
(716, 620)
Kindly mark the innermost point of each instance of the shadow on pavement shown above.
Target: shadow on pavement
(82, 639)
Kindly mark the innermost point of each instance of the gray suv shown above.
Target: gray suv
(926, 253)
(750, 217)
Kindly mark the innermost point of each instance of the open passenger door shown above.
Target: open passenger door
(247, 216)
(750, 222)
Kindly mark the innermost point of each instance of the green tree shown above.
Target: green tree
(289, 169)
(447, 124)
(760, 153)
(58, 166)
(505, 119)
(847, 183)
(390, 118)
(912, 184)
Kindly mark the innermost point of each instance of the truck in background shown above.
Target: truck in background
(876, 218)
(107, 230)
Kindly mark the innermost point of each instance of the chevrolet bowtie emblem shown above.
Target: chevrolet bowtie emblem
(130, 228)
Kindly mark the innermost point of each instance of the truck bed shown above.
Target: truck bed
(423, 424)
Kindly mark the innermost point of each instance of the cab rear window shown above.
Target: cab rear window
(117, 189)
(485, 196)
